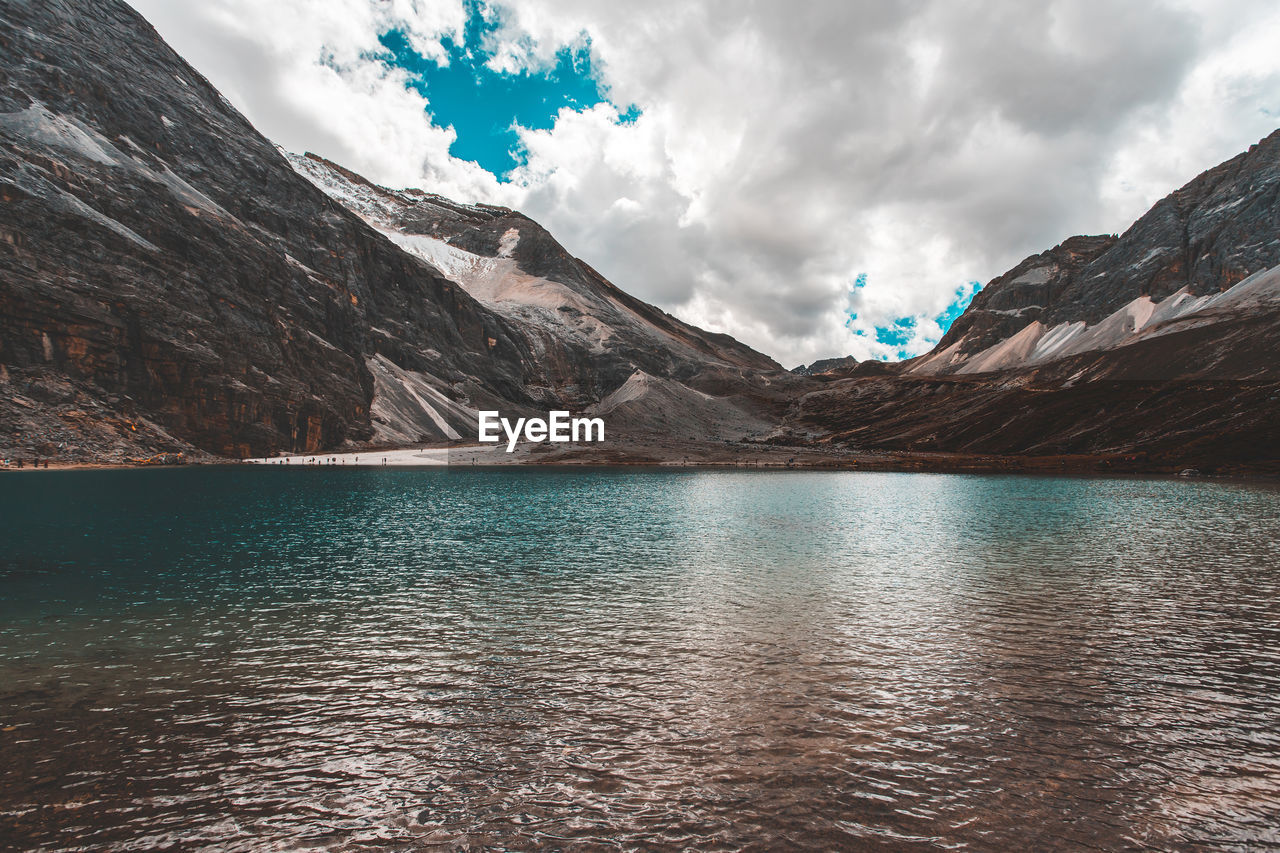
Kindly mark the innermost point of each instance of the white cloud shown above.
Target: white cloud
(783, 150)
(1229, 100)
(305, 75)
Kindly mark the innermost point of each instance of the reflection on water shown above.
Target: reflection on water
(710, 660)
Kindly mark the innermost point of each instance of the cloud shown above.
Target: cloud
(307, 75)
(780, 153)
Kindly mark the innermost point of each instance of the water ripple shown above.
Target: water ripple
(356, 660)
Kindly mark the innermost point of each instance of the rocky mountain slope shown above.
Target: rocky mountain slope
(169, 281)
(1160, 347)
(1178, 266)
(592, 341)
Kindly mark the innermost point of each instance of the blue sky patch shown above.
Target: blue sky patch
(899, 334)
(484, 105)
(964, 295)
(901, 331)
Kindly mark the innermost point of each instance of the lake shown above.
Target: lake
(345, 659)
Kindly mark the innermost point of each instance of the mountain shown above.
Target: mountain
(1200, 257)
(590, 339)
(1154, 350)
(171, 281)
(825, 365)
(832, 368)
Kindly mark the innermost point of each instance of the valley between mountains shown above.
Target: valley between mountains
(174, 286)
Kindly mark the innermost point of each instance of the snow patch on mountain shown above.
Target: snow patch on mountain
(508, 242)
(458, 265)
(1140, 319)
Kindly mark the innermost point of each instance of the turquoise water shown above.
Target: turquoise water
(360, 659)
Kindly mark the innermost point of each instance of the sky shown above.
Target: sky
(817, 179)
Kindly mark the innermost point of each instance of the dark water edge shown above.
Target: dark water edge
(248, 659)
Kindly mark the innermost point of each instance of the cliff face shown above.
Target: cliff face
(161, 260)
(168, 281)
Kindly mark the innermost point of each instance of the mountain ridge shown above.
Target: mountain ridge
(1198, 241)
(173, 283)
(1156, 349)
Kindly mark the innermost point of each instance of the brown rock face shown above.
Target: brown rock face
(1023, 294)
(1191, 399)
